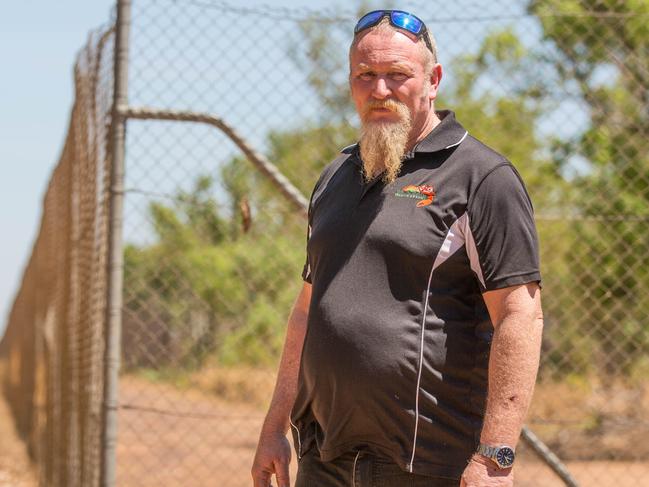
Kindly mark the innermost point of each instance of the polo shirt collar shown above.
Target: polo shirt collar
(447, 134)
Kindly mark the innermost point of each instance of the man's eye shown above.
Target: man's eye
(368, 76)
(398, 76)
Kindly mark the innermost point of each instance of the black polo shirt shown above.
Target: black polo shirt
(397, 346)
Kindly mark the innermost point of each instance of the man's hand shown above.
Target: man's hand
(482, 472)
(272, 457)
(273, 450)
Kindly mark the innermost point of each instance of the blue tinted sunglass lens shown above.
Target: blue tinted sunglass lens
(406, 21)
(368, 20)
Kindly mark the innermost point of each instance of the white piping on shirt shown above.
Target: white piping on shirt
(354, 469)
(472, 252)
(458, 235)
(308, 264)
(299, 442)
(458, 142)
(421, 364)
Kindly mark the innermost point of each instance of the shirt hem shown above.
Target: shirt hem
(514, 281)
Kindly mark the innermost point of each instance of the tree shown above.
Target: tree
(201, 290)
(601, 47)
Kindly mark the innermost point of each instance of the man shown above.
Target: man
(412, 350)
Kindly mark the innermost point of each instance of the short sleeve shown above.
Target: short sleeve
(501, 220)
(319, 187)
(306, 270)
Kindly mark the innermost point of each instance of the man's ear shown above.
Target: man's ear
(435, 79)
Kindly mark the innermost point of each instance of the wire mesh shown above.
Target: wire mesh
(213, 251)
(52, 350)
(525, 78)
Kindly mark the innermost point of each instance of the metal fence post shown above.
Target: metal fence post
(115, 257)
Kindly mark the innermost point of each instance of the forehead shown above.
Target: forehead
(376, 47)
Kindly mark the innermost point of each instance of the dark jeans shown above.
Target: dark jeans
(360, 470)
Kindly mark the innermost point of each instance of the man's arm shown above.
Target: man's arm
(513, 365)
(273, 450)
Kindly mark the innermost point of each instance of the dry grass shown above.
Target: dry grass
(589, 419)
(579, 418)
(253, 386)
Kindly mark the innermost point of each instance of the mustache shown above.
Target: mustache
(388, 104)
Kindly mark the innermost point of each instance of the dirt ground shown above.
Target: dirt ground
(189, 438)
(15, 468)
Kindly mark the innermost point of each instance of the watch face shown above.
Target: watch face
(505, 457)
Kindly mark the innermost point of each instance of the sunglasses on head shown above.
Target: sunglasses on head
(398, 18)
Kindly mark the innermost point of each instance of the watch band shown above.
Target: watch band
(503, 456)
(487, 451)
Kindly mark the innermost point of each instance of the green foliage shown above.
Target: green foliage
(263, 333)
(601, 47)
(506, 120)
(304, 153)
(207, 288)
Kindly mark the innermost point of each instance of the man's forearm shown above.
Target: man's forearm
(277, 418)
(513, 366)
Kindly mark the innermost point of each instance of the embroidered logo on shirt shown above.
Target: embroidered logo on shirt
(425, 193)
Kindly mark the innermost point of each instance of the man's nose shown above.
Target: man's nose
(380, 90)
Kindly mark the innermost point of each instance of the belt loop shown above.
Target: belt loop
(354, 469)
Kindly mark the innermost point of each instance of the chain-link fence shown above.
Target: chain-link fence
(213, 247)
(53, 347)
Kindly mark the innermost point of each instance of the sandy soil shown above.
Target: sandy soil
(15, 468)
(192, 439)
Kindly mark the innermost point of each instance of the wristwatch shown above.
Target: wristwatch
(503, 455)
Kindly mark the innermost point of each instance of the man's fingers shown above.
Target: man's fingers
(261, 479)
(281, 472)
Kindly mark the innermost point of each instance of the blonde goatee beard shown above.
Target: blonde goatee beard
(383, 144)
